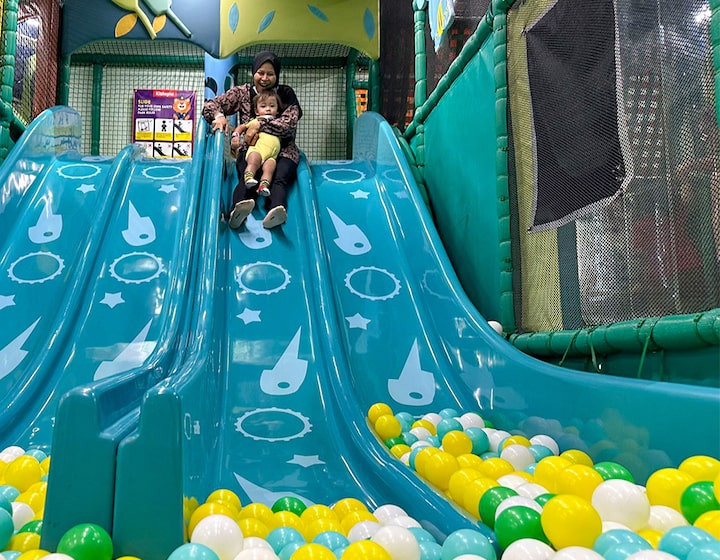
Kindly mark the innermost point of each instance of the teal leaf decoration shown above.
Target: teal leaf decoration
(233, 17)
(369, 22)
(266, 21)
(317, 13)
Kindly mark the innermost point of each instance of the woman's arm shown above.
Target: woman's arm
(235, 100)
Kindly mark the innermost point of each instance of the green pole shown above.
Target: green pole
(7, 73)
(420, 19)
(95, 119)
(350, 69)
(63, 91)
(374, 86)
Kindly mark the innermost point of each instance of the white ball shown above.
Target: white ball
(623, 502)
(421, 443)
(528, 549)
(387, 512)
(432, 417)
(531, 490)
(576, 553)
(471, 420)
(13, 451)
(219, 533)
(610, 525)
(518, 456)
(495, 437)
(257, 554)
(255, 542)
(517, 501)
(664, 518)
(404, 521)
(400, 543)
(651, 555)
(547, 441)
(497, 327)
(21, 514)
(363, 530)
(421, 433)
(513, 481)
(58, 556)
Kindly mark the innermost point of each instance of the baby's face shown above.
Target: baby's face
(267, 107)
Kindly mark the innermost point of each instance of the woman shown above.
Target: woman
(239, 99)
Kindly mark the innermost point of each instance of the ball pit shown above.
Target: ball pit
(540, 503)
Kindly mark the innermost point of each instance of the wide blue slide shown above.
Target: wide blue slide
(164, 356)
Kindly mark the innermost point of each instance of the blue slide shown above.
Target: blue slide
(255, 365)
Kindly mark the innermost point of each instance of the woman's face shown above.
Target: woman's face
(265, 77)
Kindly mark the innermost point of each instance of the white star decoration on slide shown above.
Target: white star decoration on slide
(86, 188)
(167, 188)
(306, 460)
(250, 316)
(6, 301)
(357, 321)
(112, 299)
(359, 194)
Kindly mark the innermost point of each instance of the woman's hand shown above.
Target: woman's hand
(220, 123)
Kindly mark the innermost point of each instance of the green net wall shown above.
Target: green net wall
(317, 73)
(614, 164)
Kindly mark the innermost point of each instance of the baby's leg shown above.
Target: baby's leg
(268, 169)
(254, 160)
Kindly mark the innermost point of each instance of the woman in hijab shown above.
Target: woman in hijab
(239, 99)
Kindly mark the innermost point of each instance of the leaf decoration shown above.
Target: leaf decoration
(266, 21)
(125, 25)
(159, 23)
(233, 17)
(317, 12)
(369, 24)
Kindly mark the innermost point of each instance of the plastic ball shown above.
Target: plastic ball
(447, 425)
(86, 541)
(548, 470)
(352, 518)
(289, 549)
(377, 410)
(651, 536)
(9, 555)
(256, 554)
(256, 542)
(36, 554)
(386, 512)
(206, 510)
(610, 471)
(664, 518)
(623, 502)
(280, 537)
(697, 499)
(363, 530)
(490, 501)
(577, 457)
(423, 424)
(546, 441)
(226, 497)
(496, 467)
(471, 492)
(312, 551)
(666, 486)
(519, 456)
(681, 540)
(528, 549)
(710, 551)
(289, 503)
(440, 467)
(518, 522)
(287, 519)
(615, 537)
(716, 488)
(404, 521)
(531, 490)
(701, 467)
(261, 512)
(193, 551)
(331, 539)
(422, 535)
(467, 541)
(570, 521)
(580, 480)
(252, 527)
(7, 528)
(471, 420)
(399, 450)
(457, 443)
(24, 542)
(430, 551)
(710, 522)
(479, 439)
(365, 550)
(496, 438)
(539, 452)
(577, 553)
(219, 533)
(21, 514)
(514, 501)
(387, 426)
(512, 481)
(318, 511)
(23, 472)
(347, 505)
(398, 541)
(57, 556)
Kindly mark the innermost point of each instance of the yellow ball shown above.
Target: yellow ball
(578, 480)
(387, 426)
(252, 527)
(312, 551)
(666, 486)
(519, 440)
(23, 472)
(258, 511)
(377, 410)
(205, 510)
(547, 471)
(422, 458)
(440, 468)
(128, 558)
(23, 542)
(457, 443)
(227, 497)
(45, 465)
(495, 467)
(33, 554)
(399, 450)
(710, 522)
(459, 481)
(474, 491)
(469, 460)
(578, 457)
(652, 536)
(365, 550)
(422, 423)
(347, 505)
(716, 488)
(288, 519)
(36, 500)
(570, 521)
(318, 511)
(355, 517)
(701, 467)
(321, 525)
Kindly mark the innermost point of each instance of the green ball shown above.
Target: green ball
(543, 499)
(34, 526)
(613, 471)
(393, 441)
(289, 503)
(490, 501)
(518, 522)
(697, 499)
(86, 541)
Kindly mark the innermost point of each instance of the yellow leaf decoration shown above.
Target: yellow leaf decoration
(125, 25)
(159, 23)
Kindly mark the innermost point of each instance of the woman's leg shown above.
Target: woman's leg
(241, 192)
(285, 171)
